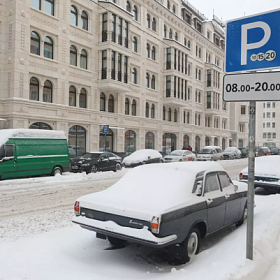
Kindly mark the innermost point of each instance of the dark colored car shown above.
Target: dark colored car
(244, 152)
(96, 161)
(275, 151)
(266, 151)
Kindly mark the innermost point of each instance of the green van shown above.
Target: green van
(32, 152)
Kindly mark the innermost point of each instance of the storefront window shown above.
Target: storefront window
(130, 142)
(77, 140)
(149, 140)
(168, 143)
(186, 141)
(40, 125)
(109, 145)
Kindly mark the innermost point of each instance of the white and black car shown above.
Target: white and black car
(165, 205)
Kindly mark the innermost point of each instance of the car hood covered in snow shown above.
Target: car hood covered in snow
(142, 155)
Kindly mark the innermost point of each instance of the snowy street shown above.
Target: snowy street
(39, 241)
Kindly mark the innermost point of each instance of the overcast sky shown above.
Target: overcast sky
(231, 9)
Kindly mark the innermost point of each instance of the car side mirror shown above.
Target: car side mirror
(235, 188)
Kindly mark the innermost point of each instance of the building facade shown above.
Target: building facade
(151, 70)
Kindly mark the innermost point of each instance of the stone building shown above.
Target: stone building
(151, 70)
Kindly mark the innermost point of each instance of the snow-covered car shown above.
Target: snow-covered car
(180, 155)
(231, 153)
(144, 156)
(210, 153)
(165, 205)
(267, 172)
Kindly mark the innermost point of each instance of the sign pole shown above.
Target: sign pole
(251, 175)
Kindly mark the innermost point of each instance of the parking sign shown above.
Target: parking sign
(105, 129)
(253, 43)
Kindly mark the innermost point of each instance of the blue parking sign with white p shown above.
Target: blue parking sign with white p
(253, 43)
(105, 129)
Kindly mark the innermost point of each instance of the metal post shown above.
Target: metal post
(105, 141)
(251, 175)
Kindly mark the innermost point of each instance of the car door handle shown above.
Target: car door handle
(227, 196)
(209, 201)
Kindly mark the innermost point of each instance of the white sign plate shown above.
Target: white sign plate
(252, 87)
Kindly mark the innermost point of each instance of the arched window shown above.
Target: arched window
(175, 115)
(134, 76)
(74, 16)
(77, 139)
(72, 96)
(47, 92)
(83, 98)
(133, 108)
(170, 33)
(149, 140)
(102, 102)
(36, 4)
(169, 114)
(73, 56)
(176, 36)
(135, 13)
(186, 141)
(174, 9)
(48, 48)
(148, 21)
(126, 106)
(34, 89)
(154, 25)
(130, 141)
(83, 59)
(84, 20)
(164, 31)
(207, 141)
(128, 6)
(134, 44)
(49, 7)
(168, 143)
(147, 109)
(153, 111)
(148, 50)
(111, 104)
(147, 80)
(35, 43)
(216, 142)
(153, 84)
(163, 113)
(153, 53)
(40, 125)
(197, 143)
(168, 4)
(106, 141)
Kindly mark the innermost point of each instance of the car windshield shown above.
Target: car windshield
(274, 149)
(177, 153)
(205, 151)
(230, 149)
(91, 156)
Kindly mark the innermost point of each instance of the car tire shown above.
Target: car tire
(117, 242)
(57, 170)
(94, 168)
(190, 246)
(180, 160)
(118, 167)
(244, 217)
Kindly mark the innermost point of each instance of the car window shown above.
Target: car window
(197, 184)
(218, 150)
(211, 183)
(103, 156)
(214, 151)
(111, 155)
(225, 180)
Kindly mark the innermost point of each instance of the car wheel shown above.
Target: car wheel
(94, 169)
(190, 246)
(244, 217)
(57, 170)
(117, 242)
(118, 167)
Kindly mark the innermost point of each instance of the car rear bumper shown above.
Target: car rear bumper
(264, 185)
(110, 228)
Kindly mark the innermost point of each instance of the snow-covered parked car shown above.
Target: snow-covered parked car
(231, 153)
(144, 156)
(210, 153)
(267, 172)
(180, 155)
(165, 205)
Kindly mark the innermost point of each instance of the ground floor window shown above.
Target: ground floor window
(240, 143)
(197, 143)
(149, 140)
(40, 125)
(168, 143)
(109, 144)
(207, 141)
(186, 141)
(77, 140)
(216, 142)
(130, 141)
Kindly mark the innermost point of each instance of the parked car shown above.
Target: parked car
(140, 157)
(165, 205)
(96, 161)
(32, 152)
(258, 152)
(231, 153)
(244, 152)
(275, 151)
(266, 151)
(180, 155)
(210, 153)
(267, 173)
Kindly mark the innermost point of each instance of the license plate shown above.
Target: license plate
(75, 167)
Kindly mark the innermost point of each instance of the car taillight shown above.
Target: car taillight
(77, 208)
(240, 176)
(155, 223)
